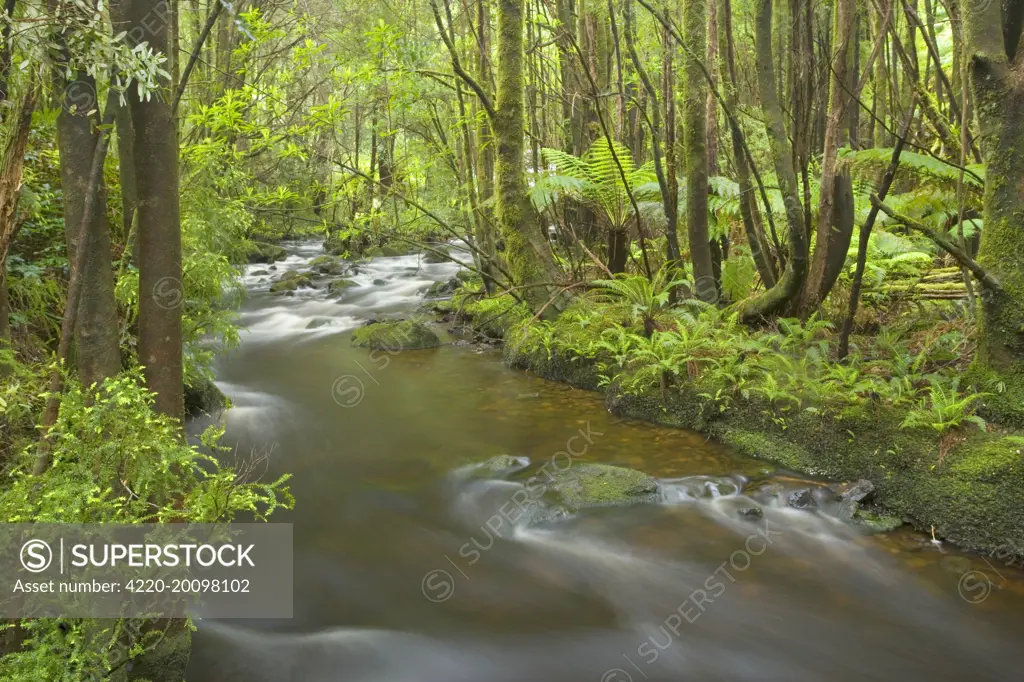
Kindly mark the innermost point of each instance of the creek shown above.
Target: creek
(406, 570)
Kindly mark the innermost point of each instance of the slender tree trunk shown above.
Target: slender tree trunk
(831, 233)
(485, 146)
(667, 181)
(97, 347)
(795, 273)
(125, 148)
(749, 211)
(695, 152)
(997, 76)
(161, 289)
(712, 106)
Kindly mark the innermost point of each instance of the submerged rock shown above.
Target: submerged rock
(750, 512)
(396, 336)
(802, 499)
(600, 485)
(203, 397)
(857, 491)
(502, 465)
(258, 273)
(766, 492)
(262, 252)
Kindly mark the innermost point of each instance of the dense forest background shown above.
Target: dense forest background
(815, 204)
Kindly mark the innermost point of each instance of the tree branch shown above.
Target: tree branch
(987, 280)
(485, 100)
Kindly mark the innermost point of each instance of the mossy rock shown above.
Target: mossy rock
(324, 260)
(327, 265)
(875, 522)
(290, 281)
(340, 285)
(437, 255)
(445, 287)
(584, 485)
(469, 277)
(284, 285)
(500, 466)
(335, 247)
(203, 397)
(261, 252)
(386, 251)
(396, 336)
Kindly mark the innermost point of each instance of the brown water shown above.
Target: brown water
(408, 570)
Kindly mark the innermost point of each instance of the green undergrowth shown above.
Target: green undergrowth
(113, 460)
(896, 411)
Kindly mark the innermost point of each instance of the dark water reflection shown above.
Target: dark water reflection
(398, 575)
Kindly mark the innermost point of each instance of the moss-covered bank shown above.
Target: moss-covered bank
(973, 496)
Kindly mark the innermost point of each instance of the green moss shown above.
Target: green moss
(764, 446)
(340, 285)
(989, 460)
(324, 260)
(261, 252)
(203, 397)
(584, 485)
(396, 336)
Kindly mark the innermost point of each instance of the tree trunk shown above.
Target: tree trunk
(97, 350)
(749, 211)
(161, 290)
(817, 285)
(12, 160)
(793, 277)
(997, 76)
(485, 145)
(125, 147)
(526, 248)
(695, 152)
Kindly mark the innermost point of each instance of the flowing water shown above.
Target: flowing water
(407, 569)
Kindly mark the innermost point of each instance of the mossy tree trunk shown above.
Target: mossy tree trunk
(788, 286)
(695, 152)
(161, 287)
(526, 247)
(997, 78)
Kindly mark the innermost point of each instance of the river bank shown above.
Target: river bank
(968, 489)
